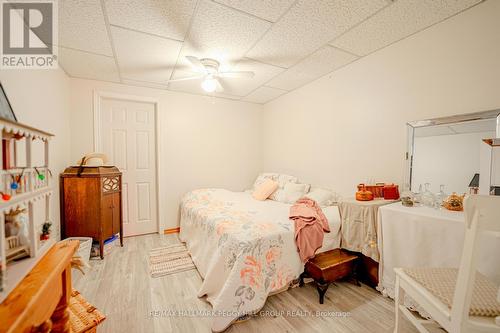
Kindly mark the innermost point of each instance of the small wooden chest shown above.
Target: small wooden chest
(328, 267)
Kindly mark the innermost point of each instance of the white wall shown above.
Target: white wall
(451, 160)
(205, 142)
(350, 126)
(40, 98)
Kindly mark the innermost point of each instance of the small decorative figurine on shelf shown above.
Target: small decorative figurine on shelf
(14, 222)
(16, 235)
(16, 181)
(454, 202)
(45, 231)
(40, 175)
(5, 196)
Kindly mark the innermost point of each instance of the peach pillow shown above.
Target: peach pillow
(265, 189)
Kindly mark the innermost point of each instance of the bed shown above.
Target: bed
(244, 249)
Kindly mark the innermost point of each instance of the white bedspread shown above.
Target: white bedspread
(243, 248)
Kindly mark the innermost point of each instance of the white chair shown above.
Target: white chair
(14, 248)
(450, 307)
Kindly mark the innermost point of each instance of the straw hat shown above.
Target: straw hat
(93, 160)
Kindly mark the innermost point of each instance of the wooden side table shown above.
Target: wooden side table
(328, 267)
(359, 234)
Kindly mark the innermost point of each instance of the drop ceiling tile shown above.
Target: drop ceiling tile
(221, 33)
(307, 26)
(263, 95)
(144, 84)
(397, 21)
(144, 57)
(158, 17)
(224, 95)
(82, 26)
(87, 65)
(265, 9)
(321, 62)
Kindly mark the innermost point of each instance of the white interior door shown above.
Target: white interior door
(128, 138)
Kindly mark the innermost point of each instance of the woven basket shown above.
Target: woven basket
(84, 248)
(83, 316)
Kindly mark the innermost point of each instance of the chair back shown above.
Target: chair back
(482, 214)
(488, 209)
(12, 242)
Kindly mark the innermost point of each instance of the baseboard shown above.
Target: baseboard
(172, 230)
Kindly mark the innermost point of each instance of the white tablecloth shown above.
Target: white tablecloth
(427, 237)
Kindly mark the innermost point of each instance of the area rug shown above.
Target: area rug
(169, 260)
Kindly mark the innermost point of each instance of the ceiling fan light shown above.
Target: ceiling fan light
(209, 85)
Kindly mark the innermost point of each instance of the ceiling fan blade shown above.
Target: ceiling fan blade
(219, 88)
(236, 74)
(197, 77)
(196, 64)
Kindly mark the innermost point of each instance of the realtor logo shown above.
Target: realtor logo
(29, 34)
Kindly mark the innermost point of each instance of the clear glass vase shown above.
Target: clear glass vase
(428, 198)
(417, 199)
(440, 197)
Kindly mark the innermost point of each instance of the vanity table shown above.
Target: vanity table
(427, 237)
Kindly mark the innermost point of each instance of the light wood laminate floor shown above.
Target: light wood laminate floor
(121, 287)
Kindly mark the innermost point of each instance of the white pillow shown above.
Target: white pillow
(293, 192)
(282, 181)
(277, 177)
(322, 196)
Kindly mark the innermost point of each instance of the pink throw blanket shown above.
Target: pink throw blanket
(310, 226)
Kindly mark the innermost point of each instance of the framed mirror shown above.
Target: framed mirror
(446, 151)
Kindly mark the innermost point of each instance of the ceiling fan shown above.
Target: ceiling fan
(208, 70)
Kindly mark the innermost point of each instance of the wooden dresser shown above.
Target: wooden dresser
(91, 203)
(40, 302)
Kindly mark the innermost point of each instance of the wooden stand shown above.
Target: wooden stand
(40, 302)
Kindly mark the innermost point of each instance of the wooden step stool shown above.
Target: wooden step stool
(328, 267)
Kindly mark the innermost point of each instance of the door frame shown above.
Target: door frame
(98, 95)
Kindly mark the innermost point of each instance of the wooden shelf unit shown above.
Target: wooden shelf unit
(31, 189)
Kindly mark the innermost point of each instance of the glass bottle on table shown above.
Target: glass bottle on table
(417, 199)
(440, 197)
(428, 198)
